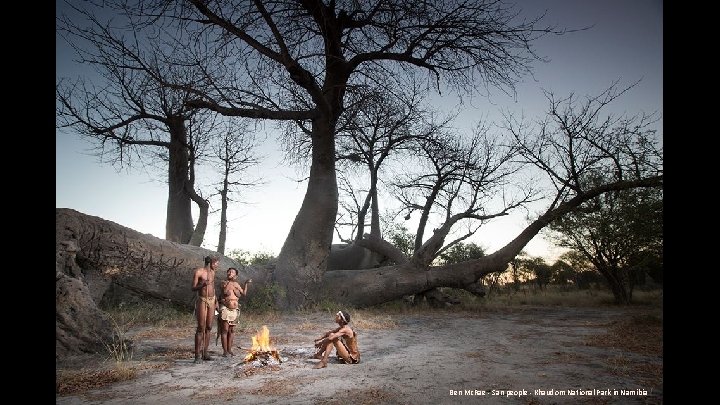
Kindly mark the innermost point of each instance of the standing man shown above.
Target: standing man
(205, 306)
(230, 309)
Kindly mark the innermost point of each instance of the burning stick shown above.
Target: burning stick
(261, 347)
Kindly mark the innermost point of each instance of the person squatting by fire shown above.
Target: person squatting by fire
(342, 338)
(230, 293)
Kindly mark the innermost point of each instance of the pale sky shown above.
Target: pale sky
(625, 44)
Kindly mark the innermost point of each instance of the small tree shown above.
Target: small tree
(619, 233)
(462, 252)
(235, 151)
(562, 273)
(247, 258)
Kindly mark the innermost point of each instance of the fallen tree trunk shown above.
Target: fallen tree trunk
(101, 254)
(101, 262)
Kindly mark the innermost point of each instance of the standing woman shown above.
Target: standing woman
(230, 309)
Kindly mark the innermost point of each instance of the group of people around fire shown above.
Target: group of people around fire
(224, 307)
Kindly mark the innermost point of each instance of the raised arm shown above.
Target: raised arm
(244, 288)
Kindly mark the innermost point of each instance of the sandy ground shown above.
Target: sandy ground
(519, 356)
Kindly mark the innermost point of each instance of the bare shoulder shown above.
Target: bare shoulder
(347, 330)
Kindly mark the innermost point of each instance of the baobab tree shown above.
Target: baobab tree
(128, 113)
(298, 61)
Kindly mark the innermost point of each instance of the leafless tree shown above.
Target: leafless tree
(298, 61)
(577, 140)
(574, 139)
(129, 113)
(236, 153)
(309, 62)
(384, 125)
(456, 180)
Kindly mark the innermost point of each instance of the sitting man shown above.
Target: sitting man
(343, 338)
(230, 309)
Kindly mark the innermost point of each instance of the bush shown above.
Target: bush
(263, 299)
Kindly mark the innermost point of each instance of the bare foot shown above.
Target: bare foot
(317, 356)
(320, 365)
(231, 353)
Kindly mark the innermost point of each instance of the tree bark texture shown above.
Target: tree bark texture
(179, 223)
(303, 257)
(100, 261)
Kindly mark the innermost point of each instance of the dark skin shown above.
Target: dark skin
(331, 339)
(203, 283)
(231, 293)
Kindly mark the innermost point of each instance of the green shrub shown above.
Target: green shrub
(263, 299)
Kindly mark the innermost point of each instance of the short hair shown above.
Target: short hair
(233, 268)
(211, 259)
(345, 316)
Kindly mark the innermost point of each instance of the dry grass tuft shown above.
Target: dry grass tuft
(368, 396)
(308, 326)
(553, 296)
(73, 382)
(641, 334)
(363, 320)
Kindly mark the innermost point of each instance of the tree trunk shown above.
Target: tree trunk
(199, 233)
(152, 268)
(303, 257)
(179, 223)
(617, 283)
(101, 261)
(222, 236)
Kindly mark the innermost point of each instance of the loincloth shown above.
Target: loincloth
(350, 359)
(209, 302)
(229, 315)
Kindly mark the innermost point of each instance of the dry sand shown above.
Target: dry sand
(437, 357)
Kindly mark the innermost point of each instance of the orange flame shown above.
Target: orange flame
(260, 343)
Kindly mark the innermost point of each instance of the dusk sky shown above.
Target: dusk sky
(625, 44)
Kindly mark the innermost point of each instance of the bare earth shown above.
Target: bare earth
(437, 357)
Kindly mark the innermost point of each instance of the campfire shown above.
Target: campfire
(261, 349)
